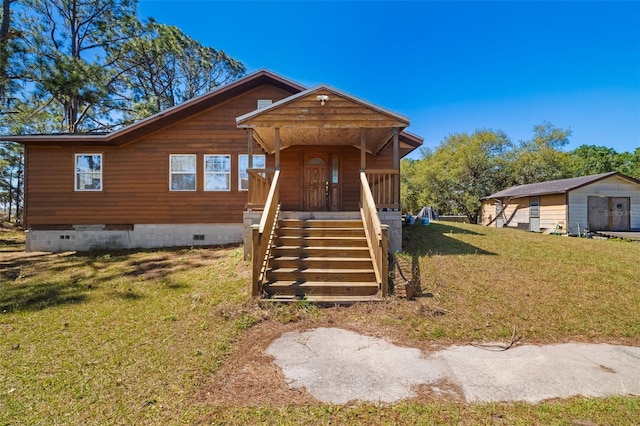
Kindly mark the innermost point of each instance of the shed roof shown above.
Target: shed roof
(554, 186)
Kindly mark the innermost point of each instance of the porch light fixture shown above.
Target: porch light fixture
(322, 99)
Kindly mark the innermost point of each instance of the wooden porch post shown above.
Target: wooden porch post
(396, 149)
(396, 166)
(277, 148)
(363, 150)
(250, 148)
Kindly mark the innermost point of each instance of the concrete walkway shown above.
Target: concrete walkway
(337, 366)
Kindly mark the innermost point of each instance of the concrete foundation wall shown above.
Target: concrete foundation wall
(394, 221)
(94, 237)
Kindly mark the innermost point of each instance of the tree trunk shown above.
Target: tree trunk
(10, 197)
(4, 48)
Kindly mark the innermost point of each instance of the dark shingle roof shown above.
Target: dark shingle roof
(552, 187)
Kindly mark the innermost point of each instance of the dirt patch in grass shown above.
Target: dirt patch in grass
(249, 378)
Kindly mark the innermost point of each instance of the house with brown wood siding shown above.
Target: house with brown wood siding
(263, 160)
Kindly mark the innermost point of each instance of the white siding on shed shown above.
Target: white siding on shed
(613, 186)
(553, 211)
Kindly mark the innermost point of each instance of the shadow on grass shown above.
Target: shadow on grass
(435, 239)
(438, 239)
(70, 277)
(34, 297)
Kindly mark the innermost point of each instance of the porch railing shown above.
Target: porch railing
(385, 187)
(377, 235)
(259, 185)
(262, 234)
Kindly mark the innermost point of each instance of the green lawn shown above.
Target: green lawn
(139, 337)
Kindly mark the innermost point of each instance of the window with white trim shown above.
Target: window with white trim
(217, 172)
(88, 173)
(263, 103)
(259, 162)
(182, 172)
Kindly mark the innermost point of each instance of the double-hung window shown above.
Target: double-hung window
(88, 174)
(243, 165)
(182, 172)
(217, 172)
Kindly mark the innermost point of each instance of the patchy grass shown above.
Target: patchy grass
(486, 281)
(11, 238)
(171, 336)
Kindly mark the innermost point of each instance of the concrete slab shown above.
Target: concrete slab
(337, 366)
(535, 373)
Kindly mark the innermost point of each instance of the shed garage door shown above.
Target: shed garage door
(620, 213)
(609, 213)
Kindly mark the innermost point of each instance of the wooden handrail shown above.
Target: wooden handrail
(262, 234)
(259, 185)
(385, 187)
(377, 235)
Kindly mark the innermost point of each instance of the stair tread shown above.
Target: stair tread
(331, 228)
(316, 248)
(319, 258)
(326, 299)
(288, 283)
(322, 221)
(324, 270)
(320, 237)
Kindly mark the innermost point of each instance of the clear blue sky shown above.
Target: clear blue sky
(450, 66)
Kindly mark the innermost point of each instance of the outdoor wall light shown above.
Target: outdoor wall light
(322, 99)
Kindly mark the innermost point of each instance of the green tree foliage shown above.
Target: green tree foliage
(541, 158)
(91, 65)
(65, 61)
(162, 67)
(464, 168)
(592, 159)
(409, 191)
(630, 163)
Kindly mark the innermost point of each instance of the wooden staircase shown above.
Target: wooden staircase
(322, 261)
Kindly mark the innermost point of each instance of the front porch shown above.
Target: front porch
(320, 222)
(322, 256)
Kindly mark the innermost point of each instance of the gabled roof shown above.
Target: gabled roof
(554, 186)
(376, 123)
(323, 115)
(169, 116)
(313, 92)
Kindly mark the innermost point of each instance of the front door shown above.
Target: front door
(534, 214)
(316, 183)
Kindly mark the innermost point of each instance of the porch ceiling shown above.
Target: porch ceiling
(322, 116)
